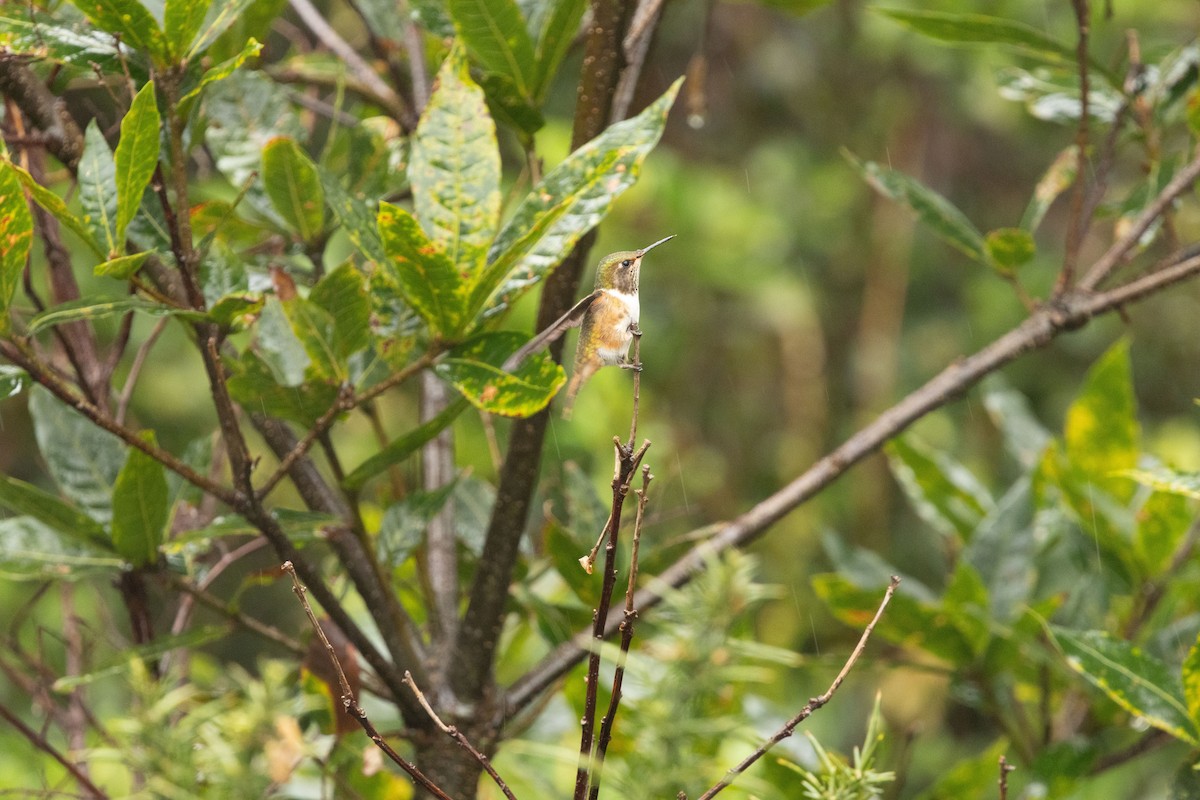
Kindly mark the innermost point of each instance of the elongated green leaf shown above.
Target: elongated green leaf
(982, 29)
(223, 70)
(455, 168)
(66, 520)
(83, 459)
(558, 30)
(181, 22)
(16, 237)
(942, 491)
(1009, 249)
(33, 551)
(931, 208)
(1059, 177)
(357, 218)
(1135, 680)
(315, 328)
(140, 508)
(1024, 437)
(575, 196)
(1003, 550)
(1102, 433)
(55, 205)
(228, 12)
(343, 294)
(122, 267)
(136, 159)
(92, 308)
(401, 448)
(236, 311)
(429, 281)
(1190, 675)
(474, 367)
(1165, 479)
(291, 180)
(31, 31)
(496, 35)
(97, 189)
(130, 19)
(161, 645)
(404, 524)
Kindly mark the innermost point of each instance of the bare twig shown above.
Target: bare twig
(626, 465)
(348, 699)
(41, 743)
(1069, 312)
(627, 626)
(636, 359)
(813, 705)
(344, 402)
(135, 369)
(454, 733)
(382, 93)
(1005, 768)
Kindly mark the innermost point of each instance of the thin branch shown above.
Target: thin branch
(135, 369)
(382, 93)
(1077, 223)
(626, 465)
(812, 706)
(41, 743)
(348, 699)
(627, 626)
(344, 402)
(64, 138)
(1005, 768)
(1069, 312)
(454, 733)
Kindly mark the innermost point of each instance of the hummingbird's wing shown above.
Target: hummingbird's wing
(571, 319)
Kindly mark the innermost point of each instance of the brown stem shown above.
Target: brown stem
(348, 699)
(812, 706)
(1005, 768)
(62, 134)
(41, 743)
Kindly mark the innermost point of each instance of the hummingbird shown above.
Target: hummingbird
(609, 319)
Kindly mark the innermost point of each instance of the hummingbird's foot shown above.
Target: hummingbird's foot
(634, 330)
(631, 365)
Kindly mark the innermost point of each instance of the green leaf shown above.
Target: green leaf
(122, 267)
(455, 168)
(97, 195)
(1003, 551)
(314, 327)
(13, 381)
(1190, 675)
(140, 507)
(571, 200)
(1185, 784)
(91, 309)
(223, 70)
(255, 387)
(404, 523)
(1008, 249)
(1024, 437)
(982, 29)
(39, 34)
(343, 294)
(357, 218)
(908, 621)
(67, 521)
(509, 106)
(942, 491)
(966, 601)
(942, 217)
(129, 19)
(135, 160)
(1162, 522)
(496, 35)
(228, 12)
(1102, 433)
(32, 551)
(430, 283)
(558, 30)
(55, 205)
(1135, 680)
(161, 645)
(16, 238)
(1164, 479)
(1059, 177)
(237, 311)
(181, 22)
(82, 458)
(399, 449)
(291, 181)
(474, 368)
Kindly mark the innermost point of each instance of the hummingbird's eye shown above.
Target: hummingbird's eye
(626, 263)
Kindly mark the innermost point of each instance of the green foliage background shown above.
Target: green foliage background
(794, 305)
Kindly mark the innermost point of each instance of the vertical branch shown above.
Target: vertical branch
(1076, 224)
(626, 464)
(627, 625)
(441, 561)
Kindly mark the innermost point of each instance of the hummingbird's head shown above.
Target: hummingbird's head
(620, 271)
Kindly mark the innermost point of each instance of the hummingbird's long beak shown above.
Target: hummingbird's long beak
(645, 250)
